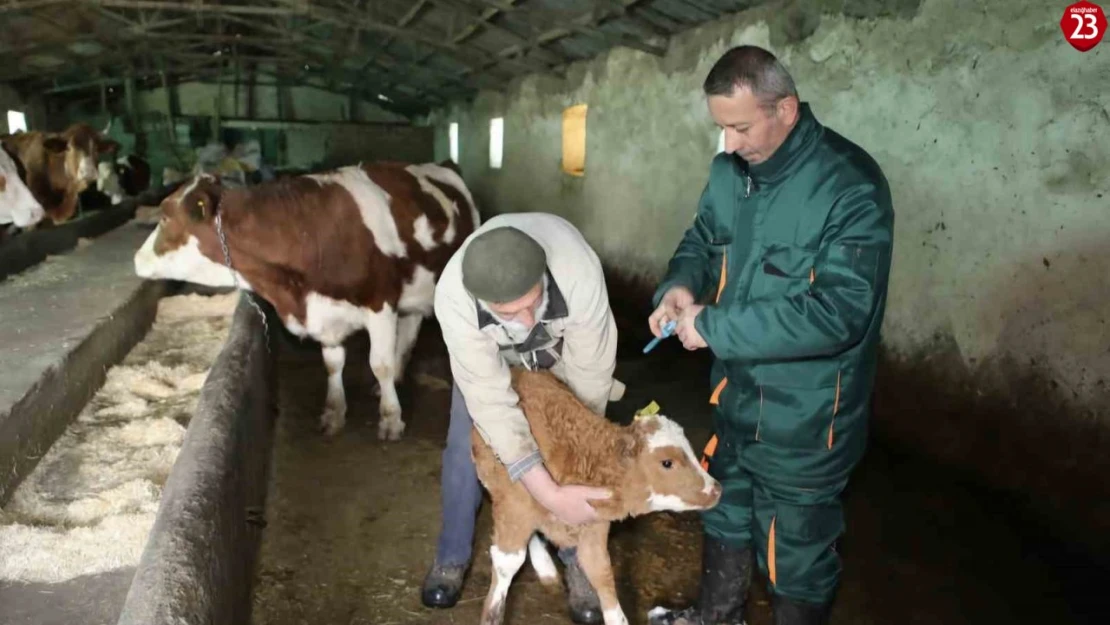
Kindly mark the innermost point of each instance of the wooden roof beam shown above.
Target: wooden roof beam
(482, 20)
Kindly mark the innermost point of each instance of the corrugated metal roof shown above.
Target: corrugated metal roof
(417, 53)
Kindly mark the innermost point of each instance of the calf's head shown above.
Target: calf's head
(184, 245)
(662, 472)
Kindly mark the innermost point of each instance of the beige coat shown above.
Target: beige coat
(576, 337)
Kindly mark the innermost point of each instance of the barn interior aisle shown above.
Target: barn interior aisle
(914, 188)
(352, 521)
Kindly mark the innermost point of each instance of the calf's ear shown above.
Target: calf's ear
(628, 445)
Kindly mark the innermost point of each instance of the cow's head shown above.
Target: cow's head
(84, 146)
(662, 472)
(17, 204)
(174, 250)
(107, 181)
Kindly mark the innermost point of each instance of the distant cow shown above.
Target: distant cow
(18, 205)
(127, 176)
(359, 247)
(59, 166)
(647, 466)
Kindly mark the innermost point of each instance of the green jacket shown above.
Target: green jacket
(795, 251)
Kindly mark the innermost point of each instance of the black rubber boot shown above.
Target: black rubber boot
(794, 612)
(585, 607)
(442, 586)
(726, 575)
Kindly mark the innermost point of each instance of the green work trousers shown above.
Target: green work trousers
(793, 530)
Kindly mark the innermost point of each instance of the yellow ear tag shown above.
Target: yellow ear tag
(647, 411)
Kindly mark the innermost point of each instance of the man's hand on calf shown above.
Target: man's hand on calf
(570, 503)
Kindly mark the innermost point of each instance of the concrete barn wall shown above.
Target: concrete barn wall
(995, 136)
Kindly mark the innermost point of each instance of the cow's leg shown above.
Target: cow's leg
(593, 555)
(382, 327)
(335, 406)
(408, 327)
(508, 551)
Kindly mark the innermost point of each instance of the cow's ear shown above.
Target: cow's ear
(106, 145)
(201, 206)
(56, 145)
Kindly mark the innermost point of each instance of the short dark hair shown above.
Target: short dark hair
(753, 68)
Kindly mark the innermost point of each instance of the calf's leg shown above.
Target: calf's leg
(510, 546)
(382, 327)
(593, 555)
(335, 406)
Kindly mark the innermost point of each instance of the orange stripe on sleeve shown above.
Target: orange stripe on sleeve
(716, 397)
(724, 275)
(707, 453)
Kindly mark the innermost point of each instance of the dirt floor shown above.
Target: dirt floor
(352, 522)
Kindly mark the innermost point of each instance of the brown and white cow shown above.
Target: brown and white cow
(647, 466)
(127, 176)
(59, 166)
(18, 205)
(359, 247)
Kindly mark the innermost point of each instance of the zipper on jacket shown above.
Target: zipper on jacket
(748, 189)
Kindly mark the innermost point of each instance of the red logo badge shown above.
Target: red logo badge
(1084, 24)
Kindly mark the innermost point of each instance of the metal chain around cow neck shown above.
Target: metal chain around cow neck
(227, 261)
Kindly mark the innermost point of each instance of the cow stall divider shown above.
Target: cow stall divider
(198, 563)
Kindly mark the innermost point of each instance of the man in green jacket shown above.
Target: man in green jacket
(791, 249)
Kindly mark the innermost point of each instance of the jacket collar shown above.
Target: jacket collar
(793, 150)
(556, 306)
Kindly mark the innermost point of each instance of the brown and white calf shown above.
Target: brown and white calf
(647, 466)
(356, 248)
(59, 166)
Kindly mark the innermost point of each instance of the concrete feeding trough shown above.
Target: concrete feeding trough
(199, 559)
(76, 326)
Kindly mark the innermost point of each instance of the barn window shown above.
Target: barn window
(453, 137)
(721, 142)
(574, 140)
(496, 141)
(17, 121)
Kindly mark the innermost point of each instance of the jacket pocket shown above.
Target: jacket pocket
(783, 270)
(799, 402)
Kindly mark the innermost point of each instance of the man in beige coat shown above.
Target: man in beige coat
(524, 290)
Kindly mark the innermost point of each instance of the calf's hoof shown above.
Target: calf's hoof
(442, 586)
(586, 615)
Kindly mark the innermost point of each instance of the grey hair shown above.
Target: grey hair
(753, 68)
